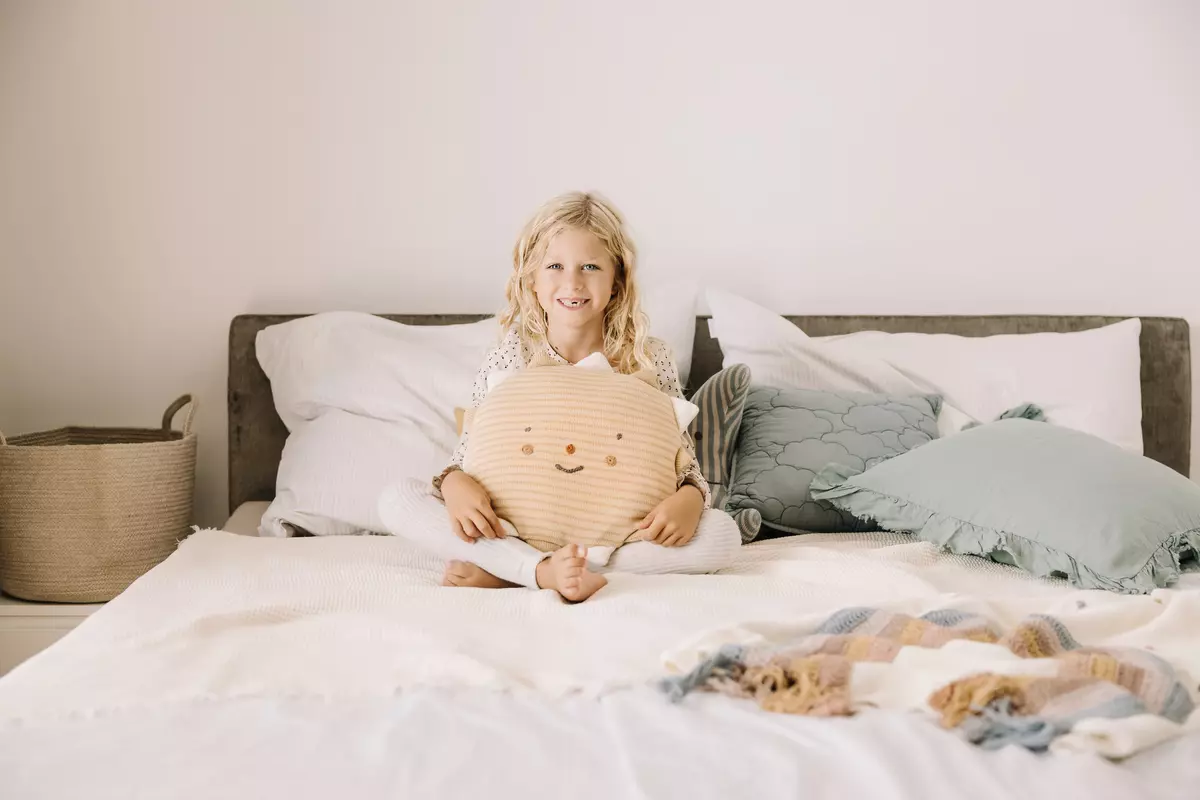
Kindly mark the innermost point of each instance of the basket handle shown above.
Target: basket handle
(173, 409)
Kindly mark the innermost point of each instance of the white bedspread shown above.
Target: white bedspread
(228, 615)
(447, 744)
(230, 623)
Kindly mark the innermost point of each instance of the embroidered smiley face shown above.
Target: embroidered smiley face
(570, 450)
(528, 449)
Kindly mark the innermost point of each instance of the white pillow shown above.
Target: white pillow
(335, 467)
(367, 402)
(1088, 380)
(372, 366)
(671, 309)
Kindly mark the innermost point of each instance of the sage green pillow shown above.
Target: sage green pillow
(788, 435)
(1051, 500)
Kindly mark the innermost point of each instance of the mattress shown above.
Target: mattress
(246, 517)
(246, 667)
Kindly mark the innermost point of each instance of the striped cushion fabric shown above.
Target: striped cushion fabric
(575, 455)
(715, 431)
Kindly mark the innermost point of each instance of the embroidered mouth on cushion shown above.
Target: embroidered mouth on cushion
(569, 471)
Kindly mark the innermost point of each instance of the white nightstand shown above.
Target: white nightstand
(27, 628)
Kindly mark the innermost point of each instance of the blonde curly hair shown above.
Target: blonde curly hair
(625, 325)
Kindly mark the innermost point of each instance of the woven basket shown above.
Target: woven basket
(85, 511)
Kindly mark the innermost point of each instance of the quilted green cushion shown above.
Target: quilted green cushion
(788, 435)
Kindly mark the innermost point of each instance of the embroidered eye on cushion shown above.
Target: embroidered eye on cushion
(562, 449)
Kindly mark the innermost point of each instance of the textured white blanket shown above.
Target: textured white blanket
(334, 617)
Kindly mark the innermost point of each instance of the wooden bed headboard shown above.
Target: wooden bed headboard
(256, 434)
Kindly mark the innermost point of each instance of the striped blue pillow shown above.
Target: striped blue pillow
(715, 429)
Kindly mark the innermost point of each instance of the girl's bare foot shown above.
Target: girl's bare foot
(464, 573)
(566, 572)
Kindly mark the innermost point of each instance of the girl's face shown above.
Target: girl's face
(575, 281)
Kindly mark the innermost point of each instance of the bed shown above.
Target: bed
(300, 668)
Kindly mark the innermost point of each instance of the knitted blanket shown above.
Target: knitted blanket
(1060, 684)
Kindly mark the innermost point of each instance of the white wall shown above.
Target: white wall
(165, 166)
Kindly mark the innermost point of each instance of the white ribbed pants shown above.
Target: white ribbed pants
(410, 510)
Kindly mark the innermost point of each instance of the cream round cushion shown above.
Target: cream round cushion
(576, 454)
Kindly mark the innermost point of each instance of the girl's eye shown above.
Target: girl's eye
(554, 266)
(591, 267)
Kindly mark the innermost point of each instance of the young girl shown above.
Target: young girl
(572, 292)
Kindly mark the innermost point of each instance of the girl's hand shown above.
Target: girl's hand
(470, 508)
(673, 522)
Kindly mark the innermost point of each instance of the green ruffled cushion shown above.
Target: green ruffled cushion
(1051, 500)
